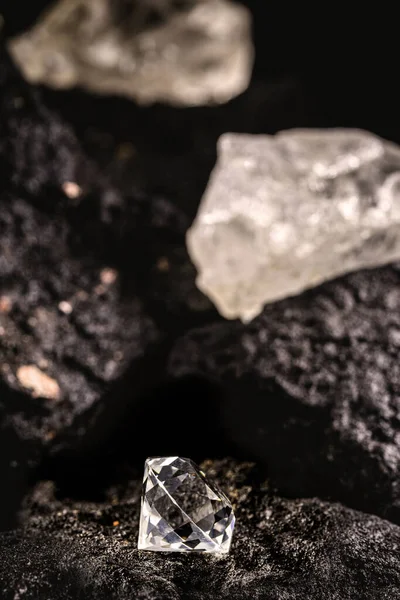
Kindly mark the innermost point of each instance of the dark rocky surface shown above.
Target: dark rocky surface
(37, 149)
(78, 311)
(83, 352)
(311, 389)
(292, 549)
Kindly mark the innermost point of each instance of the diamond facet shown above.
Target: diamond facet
(181, 510)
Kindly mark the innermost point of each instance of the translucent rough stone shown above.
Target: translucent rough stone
(187, 52)
(284, 213)
(181, 510)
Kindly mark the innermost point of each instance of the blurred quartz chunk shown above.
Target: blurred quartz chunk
(284, 213)
(179, 51)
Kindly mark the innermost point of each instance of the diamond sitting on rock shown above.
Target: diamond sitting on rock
(181, 510)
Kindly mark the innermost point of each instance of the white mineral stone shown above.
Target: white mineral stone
(188, 52)
(284, 213)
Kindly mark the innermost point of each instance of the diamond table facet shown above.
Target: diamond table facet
(181, 510)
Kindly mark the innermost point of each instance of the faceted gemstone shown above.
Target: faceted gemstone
(181, 510)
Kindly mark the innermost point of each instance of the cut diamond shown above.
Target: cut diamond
(181, 510)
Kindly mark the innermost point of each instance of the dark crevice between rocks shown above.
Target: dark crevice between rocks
(171, 151)
(301, 453)
(177, 418)
(15, 477)
(164, 278)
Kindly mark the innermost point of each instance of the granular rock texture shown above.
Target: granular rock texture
(297, 549)
(37, 148)
(82, 322)
(311, 387)
(60, 320)
(67, 330)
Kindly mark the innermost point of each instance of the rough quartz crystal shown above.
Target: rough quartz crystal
(284, 213)
(181, 510)
(180, 51)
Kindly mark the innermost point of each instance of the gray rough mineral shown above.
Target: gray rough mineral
(189, 52)
(284, 213)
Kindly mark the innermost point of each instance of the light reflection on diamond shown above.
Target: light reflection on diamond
(181, 510)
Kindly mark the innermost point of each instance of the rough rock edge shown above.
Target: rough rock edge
(297, 549)
(319, 380)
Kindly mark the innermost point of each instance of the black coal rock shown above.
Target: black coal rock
(37, 149)
(84, 323)
(68, 334)
(297, 549)
(94, 281)
(311, 389)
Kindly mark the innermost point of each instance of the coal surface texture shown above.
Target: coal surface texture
(282, 549)
(310, 389)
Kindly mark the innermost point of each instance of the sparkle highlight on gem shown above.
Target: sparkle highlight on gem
(181, 510)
